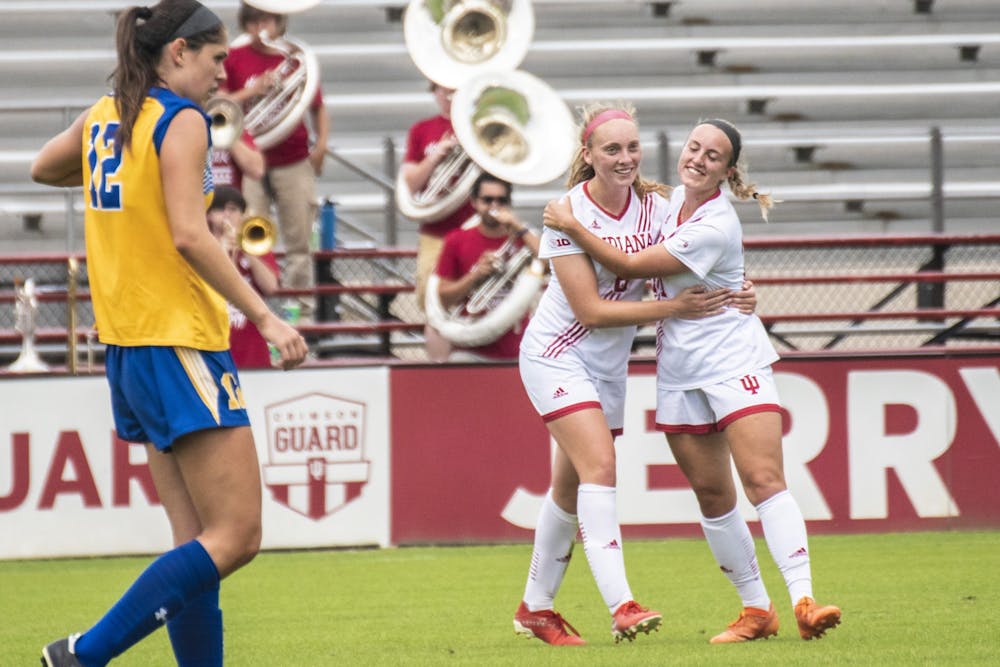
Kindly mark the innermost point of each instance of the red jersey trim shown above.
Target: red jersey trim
(616, 216)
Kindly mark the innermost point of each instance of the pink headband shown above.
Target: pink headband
(602, 118)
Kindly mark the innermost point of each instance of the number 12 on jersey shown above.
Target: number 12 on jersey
(104, 161)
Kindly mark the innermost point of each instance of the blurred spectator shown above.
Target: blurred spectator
(293, 164)
(225, 219)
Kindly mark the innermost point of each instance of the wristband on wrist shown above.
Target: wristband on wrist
(521, 232)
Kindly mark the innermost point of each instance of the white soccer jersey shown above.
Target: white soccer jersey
(554, 331)
(701, 352)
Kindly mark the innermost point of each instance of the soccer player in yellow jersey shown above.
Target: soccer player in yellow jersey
(159, 283)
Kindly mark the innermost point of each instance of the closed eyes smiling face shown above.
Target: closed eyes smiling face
(704, 160)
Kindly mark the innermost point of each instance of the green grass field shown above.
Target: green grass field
(907, 599)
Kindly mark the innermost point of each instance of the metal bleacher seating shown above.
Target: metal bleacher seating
(852, 113)
(836, 101)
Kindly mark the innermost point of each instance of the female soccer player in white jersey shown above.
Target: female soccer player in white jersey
(716, 398)
(573, 363)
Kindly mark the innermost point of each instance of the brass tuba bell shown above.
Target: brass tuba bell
(227, 121)
(514, 126)
(450, 40)
(256, 236)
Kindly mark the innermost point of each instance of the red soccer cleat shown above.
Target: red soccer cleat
(631, 618)
(547, 625)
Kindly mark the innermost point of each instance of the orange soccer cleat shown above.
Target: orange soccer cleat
(814, 620)
(752, 624)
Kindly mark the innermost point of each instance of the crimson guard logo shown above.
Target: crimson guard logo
(315, 447)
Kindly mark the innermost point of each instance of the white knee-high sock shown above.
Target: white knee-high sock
(785, 532)
(554, 538)
(731, 543)
(602, 542)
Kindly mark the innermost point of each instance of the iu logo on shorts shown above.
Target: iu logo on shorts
(750, 383)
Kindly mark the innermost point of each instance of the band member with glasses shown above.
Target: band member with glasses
(717, 401)
(429, 142)
(159, 282)
(574, 364)
(469, 257)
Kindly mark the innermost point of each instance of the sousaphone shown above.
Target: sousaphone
(272, 117)
(283, 6)
(450, 41)
(514, 126)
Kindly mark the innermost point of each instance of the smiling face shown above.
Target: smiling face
(704, 160)
(614, 152)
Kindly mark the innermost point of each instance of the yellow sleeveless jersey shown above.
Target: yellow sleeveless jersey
(144, 292)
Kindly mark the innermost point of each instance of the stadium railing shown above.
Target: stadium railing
(816, 294)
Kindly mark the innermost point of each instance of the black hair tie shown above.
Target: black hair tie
(144, 13)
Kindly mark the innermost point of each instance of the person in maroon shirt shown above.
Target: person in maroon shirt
(428, 142)
(467, 259)
(291, 166)
(230, 164)
(225, 216)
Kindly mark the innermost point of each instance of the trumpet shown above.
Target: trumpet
(256, 235)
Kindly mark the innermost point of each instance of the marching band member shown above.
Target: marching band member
(469, 257)
(716, 398)
(225, 216)
(291, 166)
(573, 364)
(159, 282)
(428, 142)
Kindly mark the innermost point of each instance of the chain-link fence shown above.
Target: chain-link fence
(813, 294)
(895, 294)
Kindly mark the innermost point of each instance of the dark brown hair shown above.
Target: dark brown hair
(141, 34)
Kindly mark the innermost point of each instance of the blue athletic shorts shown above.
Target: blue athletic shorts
(160, 393)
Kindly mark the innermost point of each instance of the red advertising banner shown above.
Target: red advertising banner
(871, 444)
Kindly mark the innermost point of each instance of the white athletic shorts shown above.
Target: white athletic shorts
(557, 388)
(715, 407)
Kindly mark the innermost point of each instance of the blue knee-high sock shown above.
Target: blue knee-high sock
(196, 632)
(158, 594)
